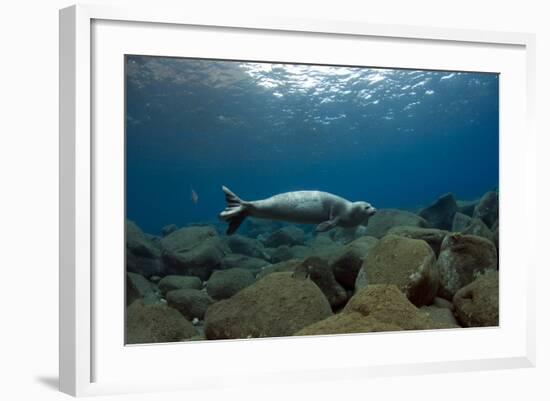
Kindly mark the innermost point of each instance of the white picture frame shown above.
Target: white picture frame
(90, 363)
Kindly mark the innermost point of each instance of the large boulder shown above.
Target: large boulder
(343, 235)
(361, 280)
(476, 304)
(277, 305)
(255, 228)
(487, 208)
(467, 207)
(443, 303)
(323, 246)
(246, 246)
(285, 266)
(193, 251)
(168, 229)
(479, 228)
(444, 316)
(388, 304)
(138, 287)
(322, 274)
(132, 293)
(462, 259)
(190, 302)
(156, 324)
(285, 252)
(407, 263)
(346, 323)
(432, 236)
(349, 259)
(495, 233)
(385, 219)
(375, 308)
(440, 214)
(461, 221)
(174, 282)
(233, 260)
(226, 283)
(142, 254)
(288, 235)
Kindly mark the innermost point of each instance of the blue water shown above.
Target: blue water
(394, 138)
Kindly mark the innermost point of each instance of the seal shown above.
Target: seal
(307, 207)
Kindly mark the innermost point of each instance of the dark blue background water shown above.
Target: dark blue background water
(395, 138)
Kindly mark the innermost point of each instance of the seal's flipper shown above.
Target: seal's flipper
(326, 225)
(235, 222)
(235, 212)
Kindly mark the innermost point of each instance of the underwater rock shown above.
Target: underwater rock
(487, 208)
(462, 259)
(477, 303)
(193, 251)
(153, 238)
(199, 326)
(132, 292)
(407, 263)
(141, 284)
(361, 280)
(246, 246)
(167, 230)
(288, 235)
(467, 207)
(138, 286)
(323, 246)
(189, 302)
(142, 254)
(479, 228)
(388, 304)
(444, 316)
(321, 274)
(279, 254)
(155, 324)
(233, 260)
(277, 305)
(285, 252)
(375, 308)
(254, 228)
(433, 236)
(344, 236)
(346, 323)
(226, 283)
(216, 225)
(285, 266)
(300, 251)
(460, 222)
(347, 262)
(440, 214)
(495, 233)
(173, 282)
(443, 303)
(385, 219)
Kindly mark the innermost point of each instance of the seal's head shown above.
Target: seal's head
(362, 211)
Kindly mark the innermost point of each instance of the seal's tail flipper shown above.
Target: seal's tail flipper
(235, 212)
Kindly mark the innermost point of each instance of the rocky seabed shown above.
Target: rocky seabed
(433, 268)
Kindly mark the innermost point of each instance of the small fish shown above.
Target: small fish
(194, 196)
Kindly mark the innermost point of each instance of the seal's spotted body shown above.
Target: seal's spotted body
(309, 207)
